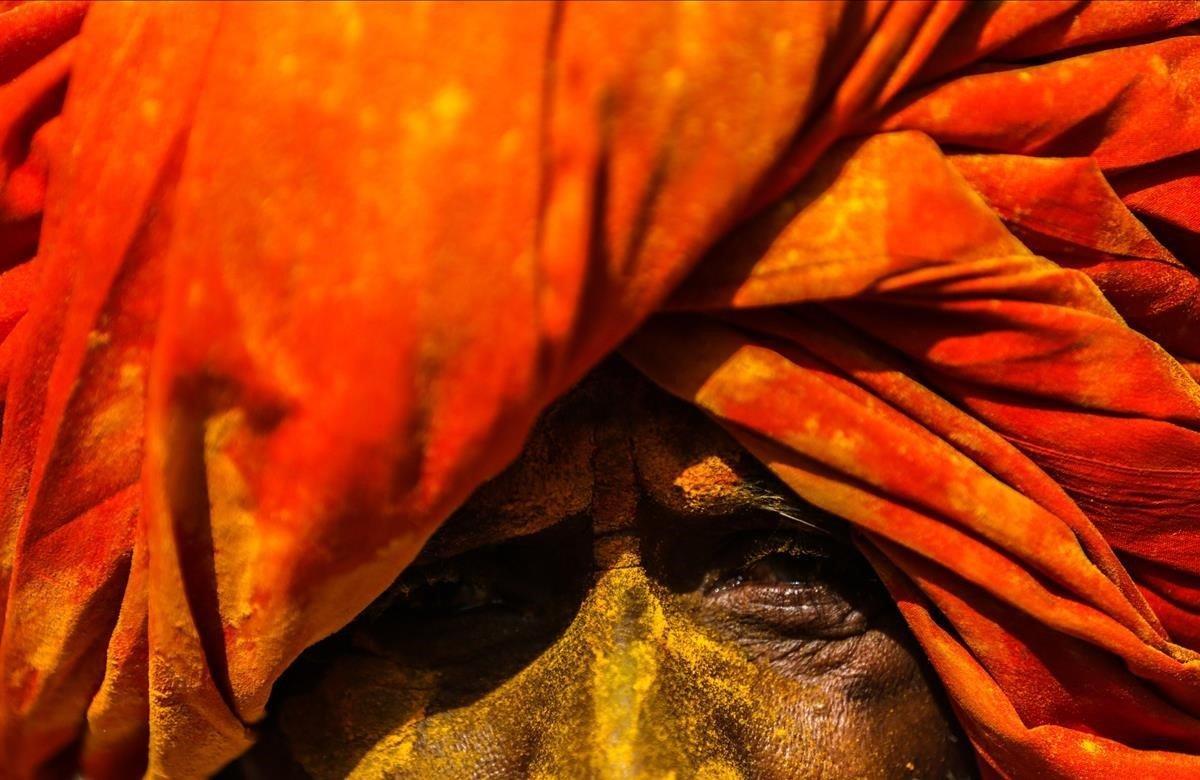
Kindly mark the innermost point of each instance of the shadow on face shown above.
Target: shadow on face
(633, 598)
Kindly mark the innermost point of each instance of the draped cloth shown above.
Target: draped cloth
(283, 283)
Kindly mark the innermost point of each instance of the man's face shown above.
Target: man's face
(633, 598)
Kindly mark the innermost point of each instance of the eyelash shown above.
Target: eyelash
(786, 581)
(816, 604)
(452, 591)
(737, 569)
(448, 592)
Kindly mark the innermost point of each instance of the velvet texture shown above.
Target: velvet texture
(283, 283)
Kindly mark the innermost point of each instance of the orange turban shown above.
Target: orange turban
(306, 275)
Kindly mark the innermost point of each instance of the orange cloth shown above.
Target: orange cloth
(307, 274)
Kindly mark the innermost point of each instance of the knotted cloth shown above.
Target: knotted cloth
(284, 283)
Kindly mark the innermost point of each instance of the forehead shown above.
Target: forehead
(612, 441)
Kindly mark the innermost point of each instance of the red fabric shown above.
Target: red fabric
(307, 274)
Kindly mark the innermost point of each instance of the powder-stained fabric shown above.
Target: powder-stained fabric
(284, 283)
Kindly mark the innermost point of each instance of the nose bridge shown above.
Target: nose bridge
(625, 630)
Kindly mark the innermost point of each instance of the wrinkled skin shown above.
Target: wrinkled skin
(632, 598)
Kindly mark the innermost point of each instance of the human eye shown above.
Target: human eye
(447, 591)
(793, 583)
(517, 593)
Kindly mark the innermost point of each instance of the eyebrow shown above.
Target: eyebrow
(761, 495)
(758, 492)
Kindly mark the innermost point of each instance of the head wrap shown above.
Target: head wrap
(307, 274)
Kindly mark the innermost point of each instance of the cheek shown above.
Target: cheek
(373, 717)
(861, 707)
(333, 729)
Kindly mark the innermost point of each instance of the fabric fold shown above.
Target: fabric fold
(308, 274)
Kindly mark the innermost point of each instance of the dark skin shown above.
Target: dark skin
(635, 597)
